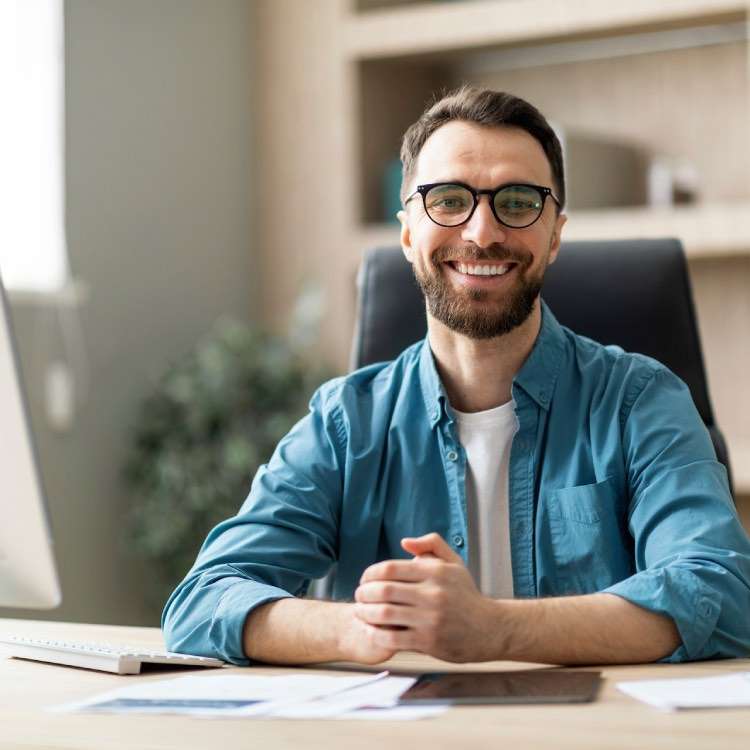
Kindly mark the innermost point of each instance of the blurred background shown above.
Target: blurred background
(191, 186)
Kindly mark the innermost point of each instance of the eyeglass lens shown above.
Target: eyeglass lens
(515, 205)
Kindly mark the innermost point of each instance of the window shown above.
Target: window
(33, 253)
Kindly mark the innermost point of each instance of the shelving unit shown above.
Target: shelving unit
(440, 27)
(362, 70)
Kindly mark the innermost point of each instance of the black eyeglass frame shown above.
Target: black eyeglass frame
(544, 191)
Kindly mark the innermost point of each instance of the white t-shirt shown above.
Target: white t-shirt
(487, 437)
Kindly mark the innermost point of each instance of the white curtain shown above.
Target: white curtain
(33, 253)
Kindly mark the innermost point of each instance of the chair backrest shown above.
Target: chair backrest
(633, 293)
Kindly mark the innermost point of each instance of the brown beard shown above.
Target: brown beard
(460, 312)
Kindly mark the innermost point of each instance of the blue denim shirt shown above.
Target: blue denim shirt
(614, 486)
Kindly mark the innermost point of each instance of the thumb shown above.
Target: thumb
(432, 545)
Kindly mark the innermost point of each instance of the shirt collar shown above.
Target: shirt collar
(538, 374)
(537, 377)
(435, 398)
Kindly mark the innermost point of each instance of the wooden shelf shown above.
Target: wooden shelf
(739, 455)
(474, 24)
(705, 231)
(376, 235)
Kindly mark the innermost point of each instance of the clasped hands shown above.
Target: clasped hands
(428, 604)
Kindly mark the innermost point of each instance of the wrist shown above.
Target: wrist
(345, 644)
(495, 637)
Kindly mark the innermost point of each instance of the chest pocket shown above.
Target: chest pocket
(582, 532)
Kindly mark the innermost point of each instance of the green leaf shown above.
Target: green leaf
(200, 436)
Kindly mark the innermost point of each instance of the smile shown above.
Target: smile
(481, 269)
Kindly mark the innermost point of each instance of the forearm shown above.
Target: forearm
(295, 631)
(591, 629)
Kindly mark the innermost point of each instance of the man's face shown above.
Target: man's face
(477, 305)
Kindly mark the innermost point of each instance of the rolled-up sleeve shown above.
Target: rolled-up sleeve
(692, 555)
(284, 535)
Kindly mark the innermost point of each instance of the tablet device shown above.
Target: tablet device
(526, 686)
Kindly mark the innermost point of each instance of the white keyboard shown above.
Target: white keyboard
(106, 657)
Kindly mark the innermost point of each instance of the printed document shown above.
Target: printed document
(724, 691)
(293, 696)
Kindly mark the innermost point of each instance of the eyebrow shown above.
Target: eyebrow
(454, 181)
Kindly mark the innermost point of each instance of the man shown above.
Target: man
(505, 489)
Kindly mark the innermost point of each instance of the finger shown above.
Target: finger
(387, 591)
(395, 570)
(430, 544)
(403, 639)
(388, 614)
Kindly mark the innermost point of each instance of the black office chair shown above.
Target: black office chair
(634, 293)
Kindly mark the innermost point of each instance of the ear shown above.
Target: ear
(556, 237)
(406, 247)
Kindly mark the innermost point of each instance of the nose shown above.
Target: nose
(483, 229)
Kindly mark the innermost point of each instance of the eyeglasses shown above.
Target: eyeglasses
(450, 204)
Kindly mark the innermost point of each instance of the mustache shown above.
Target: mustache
(497, 253)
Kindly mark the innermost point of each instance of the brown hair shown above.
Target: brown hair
(484, 107)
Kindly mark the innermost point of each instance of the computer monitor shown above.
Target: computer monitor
(28, 574)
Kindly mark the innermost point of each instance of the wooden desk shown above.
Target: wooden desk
(614, 721)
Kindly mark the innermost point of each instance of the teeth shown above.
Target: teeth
(481, 270)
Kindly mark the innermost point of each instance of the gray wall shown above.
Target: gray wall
(159, 222)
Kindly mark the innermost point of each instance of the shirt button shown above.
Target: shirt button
(458, 540)
(451, 455)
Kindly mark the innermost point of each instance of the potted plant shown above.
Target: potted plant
(201, 435)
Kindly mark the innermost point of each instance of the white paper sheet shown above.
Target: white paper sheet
(375, 695)
(218, 695)
(723, 691)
